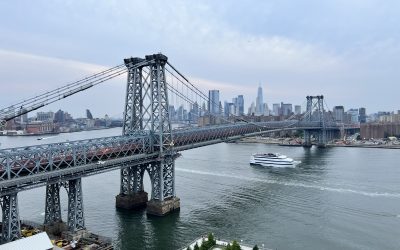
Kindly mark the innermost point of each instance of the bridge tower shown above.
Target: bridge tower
(11, 228)
(52, 218)
(146, 112)
(315, 115)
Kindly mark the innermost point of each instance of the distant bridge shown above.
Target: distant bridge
(148, 144)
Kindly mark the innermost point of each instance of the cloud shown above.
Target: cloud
(346, 51)
(26, 75)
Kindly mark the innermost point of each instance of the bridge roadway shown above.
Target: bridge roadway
(29, 167)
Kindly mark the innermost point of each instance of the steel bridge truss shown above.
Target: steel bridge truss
(146, 111)
(17, 163)
(10, 221)
(315, 113)
(75, 204)
(147, 144)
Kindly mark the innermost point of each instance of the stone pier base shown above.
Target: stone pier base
(161, 208)
(132, 202)
(55, 228)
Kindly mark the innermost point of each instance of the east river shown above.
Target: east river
(338, 198)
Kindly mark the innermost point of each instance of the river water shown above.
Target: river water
(337, 198)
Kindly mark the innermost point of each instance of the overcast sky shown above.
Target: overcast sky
(349, 51)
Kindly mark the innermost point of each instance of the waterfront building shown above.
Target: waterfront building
(236, 106)
(59, 116)
(276, 107)
(194, 112)
(286, 109)
(259, 102)
(24, 117)
(240, 104)
(338, 113)
(226, 108)
(45, 116)
(362, 118)
(171, 112)
(266, 110)
(354, 115)
(252, 109)
(379, 130)
(40, 127)
(297, 109)
(89, 114)
(213, 102)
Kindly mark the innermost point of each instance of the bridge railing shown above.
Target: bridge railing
(25, 161)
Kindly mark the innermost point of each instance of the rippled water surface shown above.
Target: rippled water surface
(337, 198)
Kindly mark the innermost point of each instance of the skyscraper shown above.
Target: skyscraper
(286, 109)
(297, 109)
(276, 109)
(338, 113)
(240, 101)
(89, 114)
(362, 118)
(213, 102)
(259, 101)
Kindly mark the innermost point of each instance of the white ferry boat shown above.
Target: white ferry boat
(272, 160)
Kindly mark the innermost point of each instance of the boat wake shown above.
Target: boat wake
(294, 184)
(45, 138)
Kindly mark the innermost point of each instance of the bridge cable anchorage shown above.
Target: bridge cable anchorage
(57, 94)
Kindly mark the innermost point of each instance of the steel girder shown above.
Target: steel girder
(162, 176)
(52, 207)
(315, 114)
(33, 160)
(161, 125)
(11, 227)
(133, 115)
(132, 179)
(146, 109)
(76, 219)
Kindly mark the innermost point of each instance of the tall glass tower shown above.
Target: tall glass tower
(240, 103)
(259, 101)
(213, 103)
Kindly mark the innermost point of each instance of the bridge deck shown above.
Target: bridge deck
(27, 167)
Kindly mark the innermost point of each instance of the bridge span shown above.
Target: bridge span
(147, 144)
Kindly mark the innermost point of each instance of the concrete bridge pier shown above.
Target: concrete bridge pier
(307, 139)
(132, 195)
(11, 227)
(163, 198)
(322, 140)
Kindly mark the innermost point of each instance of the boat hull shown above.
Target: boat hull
(278, 163)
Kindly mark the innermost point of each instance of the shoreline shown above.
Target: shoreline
(56, 133)
(280, 143)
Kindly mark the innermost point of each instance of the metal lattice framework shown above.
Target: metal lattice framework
(76, 219)
(132, 179)
(10, 221)
(146, 111)
(147, 144)
(52, 208)
(21, 162)
(315, 112)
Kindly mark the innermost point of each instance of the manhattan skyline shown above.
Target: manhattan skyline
(346, 51)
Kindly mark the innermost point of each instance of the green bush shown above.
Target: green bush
(235, 245)
(255, 247)
(196, 247)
